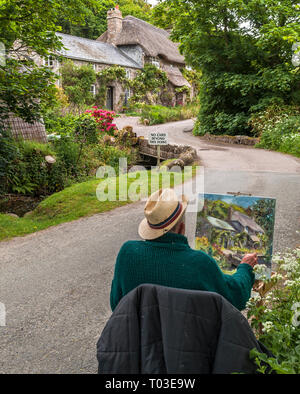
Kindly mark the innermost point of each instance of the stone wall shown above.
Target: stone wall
(230, 139)
(185, 153)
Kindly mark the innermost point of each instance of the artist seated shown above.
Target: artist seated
(166, 259)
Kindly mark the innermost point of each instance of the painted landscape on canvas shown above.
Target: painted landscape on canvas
(230, 226)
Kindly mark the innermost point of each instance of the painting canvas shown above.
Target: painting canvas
(230, 226)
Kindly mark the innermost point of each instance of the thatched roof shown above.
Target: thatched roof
(246, 221)
(176, 78)
(154, 41)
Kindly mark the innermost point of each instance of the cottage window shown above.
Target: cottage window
(128, 93)
(49, 61)
(93, 89)
(128, 74)
(155, 62)
(127, 96)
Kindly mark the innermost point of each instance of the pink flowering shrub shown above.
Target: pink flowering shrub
(104, 119)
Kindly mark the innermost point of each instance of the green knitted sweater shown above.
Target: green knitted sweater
(169, 261)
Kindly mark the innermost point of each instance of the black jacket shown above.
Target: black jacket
(157, 329)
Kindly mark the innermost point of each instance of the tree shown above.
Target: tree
(27, 30)
(264, 214)
(95, 20)
(244, 50)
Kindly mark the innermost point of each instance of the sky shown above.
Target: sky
(153, 2)
(242, 201)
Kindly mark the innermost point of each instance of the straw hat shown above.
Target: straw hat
(163, 210)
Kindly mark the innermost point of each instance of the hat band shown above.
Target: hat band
(168, 221)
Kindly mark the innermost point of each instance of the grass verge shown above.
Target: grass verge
(158, 114)
(79, 200)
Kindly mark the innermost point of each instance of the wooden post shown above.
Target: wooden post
(158, 155)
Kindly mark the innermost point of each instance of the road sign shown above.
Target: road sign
(158, 138)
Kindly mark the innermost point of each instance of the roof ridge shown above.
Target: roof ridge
(84, 38)
(128, 17)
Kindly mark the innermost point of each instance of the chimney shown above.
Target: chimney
(114, 24)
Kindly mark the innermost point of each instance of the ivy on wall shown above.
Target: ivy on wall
(148, 84)
(107, 76)
(194, 78)
(76, 83)
(182, 89)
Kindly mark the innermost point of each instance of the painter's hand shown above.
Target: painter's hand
(250, 259)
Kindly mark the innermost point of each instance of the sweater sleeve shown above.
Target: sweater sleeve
(116, 291)
(240, 284)
(235, 288)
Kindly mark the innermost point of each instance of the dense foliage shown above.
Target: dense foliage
(78, 150)
(275, 316)
(95, 20)
(27, 29)
(244, 51)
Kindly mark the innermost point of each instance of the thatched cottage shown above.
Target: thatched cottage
(145, 43)
(128, 42)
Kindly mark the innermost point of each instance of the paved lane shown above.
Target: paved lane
(55, 284)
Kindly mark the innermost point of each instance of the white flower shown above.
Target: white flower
(249, 303)
(256, 298)
(269, 297)
(267, 326)
(276, 277)
(260, 268)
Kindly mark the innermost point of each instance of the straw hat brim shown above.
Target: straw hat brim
(148, 233)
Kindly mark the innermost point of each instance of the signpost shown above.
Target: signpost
(158, 139)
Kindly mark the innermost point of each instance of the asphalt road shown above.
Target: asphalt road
(55, 284)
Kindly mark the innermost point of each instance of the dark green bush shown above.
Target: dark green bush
(9, 154)
(57, 123)
(78, 152)
(68, 153)
(85, 130)
(23, 168)
(110, 155)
